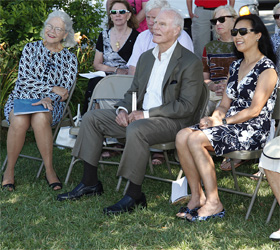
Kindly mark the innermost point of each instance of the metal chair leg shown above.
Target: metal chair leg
(254, 197)
(73, 161)
(271, 211)
(4, 163)
(40, 170)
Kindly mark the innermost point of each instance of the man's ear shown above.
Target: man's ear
(176, 31)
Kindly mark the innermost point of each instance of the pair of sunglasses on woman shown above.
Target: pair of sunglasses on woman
(234, 32)
(122, 12)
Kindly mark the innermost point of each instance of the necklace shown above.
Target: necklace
(118, 45)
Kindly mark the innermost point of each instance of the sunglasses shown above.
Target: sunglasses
(276, 16)
(242, 31)
(122, 12)
(221, 19)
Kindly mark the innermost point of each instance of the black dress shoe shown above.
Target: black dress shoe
(126, 204)
(81, 190)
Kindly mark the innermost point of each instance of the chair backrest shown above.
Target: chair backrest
(203, 102)
(111, 87)
(66, 113)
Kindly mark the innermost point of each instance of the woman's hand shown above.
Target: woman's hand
(122, 71)
(210, 121)
(61, 92)
(46, 102)
(218, 87)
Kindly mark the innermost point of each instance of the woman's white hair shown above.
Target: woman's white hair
(178, 20)
(231, 11)
(69, 40)
(156, 4)
(276, 7)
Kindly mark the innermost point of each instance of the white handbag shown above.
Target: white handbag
(64, 138)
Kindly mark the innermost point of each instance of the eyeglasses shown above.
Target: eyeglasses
(276, 16)
(221, 19)
(242, 31)
(122, 12)
(57, 30)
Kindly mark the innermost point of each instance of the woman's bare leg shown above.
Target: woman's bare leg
(41, 124)
(15, 140)
(274, 182)
(198, 198)
(199, 145)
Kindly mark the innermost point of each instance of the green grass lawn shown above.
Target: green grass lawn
(31, 218)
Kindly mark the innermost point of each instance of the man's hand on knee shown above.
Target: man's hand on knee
(135, 115)
(122, 118)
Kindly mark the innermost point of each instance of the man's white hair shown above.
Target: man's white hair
(178, 20)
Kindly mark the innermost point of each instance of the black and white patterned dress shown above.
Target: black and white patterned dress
(249, 135)
(39, 71)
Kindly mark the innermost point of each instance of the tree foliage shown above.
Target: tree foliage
(21, 22)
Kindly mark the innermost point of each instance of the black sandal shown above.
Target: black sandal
(10, 187)
(55, 184)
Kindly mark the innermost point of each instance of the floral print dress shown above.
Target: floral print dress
(252, 134)
(39, 71)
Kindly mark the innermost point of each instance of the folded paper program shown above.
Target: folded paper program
(93, 74)
(179, 191)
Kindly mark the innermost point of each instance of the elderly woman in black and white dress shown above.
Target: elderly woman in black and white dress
(47, 72)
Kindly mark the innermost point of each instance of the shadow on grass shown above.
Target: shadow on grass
(31, 218)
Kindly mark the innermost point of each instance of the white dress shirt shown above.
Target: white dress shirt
(153, 95)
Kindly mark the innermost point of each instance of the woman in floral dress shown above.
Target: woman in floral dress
(240, 122)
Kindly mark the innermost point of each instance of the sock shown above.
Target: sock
(134, 191)
(90, 177)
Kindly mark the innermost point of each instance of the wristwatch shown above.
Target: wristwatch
(224, 120)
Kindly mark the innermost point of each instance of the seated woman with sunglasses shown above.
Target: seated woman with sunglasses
(240, 122)
(47, 71)
(218, 55)
(114, 46)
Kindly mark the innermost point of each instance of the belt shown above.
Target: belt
(207, 8)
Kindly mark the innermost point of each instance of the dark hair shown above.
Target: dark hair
(131, 23)
(264, 44)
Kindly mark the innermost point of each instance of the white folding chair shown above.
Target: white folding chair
(110, 87)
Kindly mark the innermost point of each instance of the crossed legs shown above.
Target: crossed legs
(41, 124)
(197, 164)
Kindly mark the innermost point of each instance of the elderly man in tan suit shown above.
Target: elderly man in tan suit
(168, 82)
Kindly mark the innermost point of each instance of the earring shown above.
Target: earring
(64, 39)
(257, 40)
(127, 20)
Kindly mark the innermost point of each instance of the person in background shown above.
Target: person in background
(145, 42)
(47, 71)
(114, 46)
(201, 27)
(138, 7)
(276, 37)
(241, 121)
(270, 166)
(168, 82)
(218, 55)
